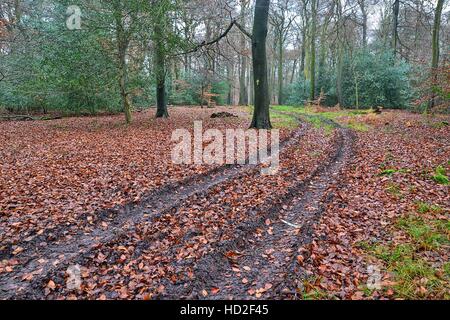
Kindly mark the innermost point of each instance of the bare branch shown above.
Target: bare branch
(243, 30)
(216, 40)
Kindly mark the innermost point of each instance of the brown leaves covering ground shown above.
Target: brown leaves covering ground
(369, 204)
(62, 172)
(166, 249)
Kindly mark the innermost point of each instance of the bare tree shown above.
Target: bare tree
(435, 54)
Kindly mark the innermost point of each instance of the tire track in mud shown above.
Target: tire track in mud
(260, 261)
(41, 261)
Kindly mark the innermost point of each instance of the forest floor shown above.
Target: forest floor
(358, 210)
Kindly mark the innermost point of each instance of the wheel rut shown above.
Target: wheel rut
(258, 262)
(37, 262)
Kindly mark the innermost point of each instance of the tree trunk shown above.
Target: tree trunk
(340, 58)
(187, 66)
(322, 62)
(251, 91)
(302, 59)
(271, 74)
(280, 70)
(230, 77)
(435, 54)
(396, 11)
(294, 68)
(304, 14)
(273, 91)
(160, 61)
(261, 115)
(362, 5)
(323, 51)
(123, 80)
(243, 92)
(312, 95)
(356, 81)
(122, 46)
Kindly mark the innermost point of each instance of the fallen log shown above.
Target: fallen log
(20, 117)
(223, 115)
(17, 118)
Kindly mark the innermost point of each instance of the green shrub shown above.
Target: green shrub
(440, 176)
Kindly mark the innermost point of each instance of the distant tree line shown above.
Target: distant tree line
(141, 53)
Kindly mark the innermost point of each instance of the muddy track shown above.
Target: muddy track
(40, 261)
(265, 251)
